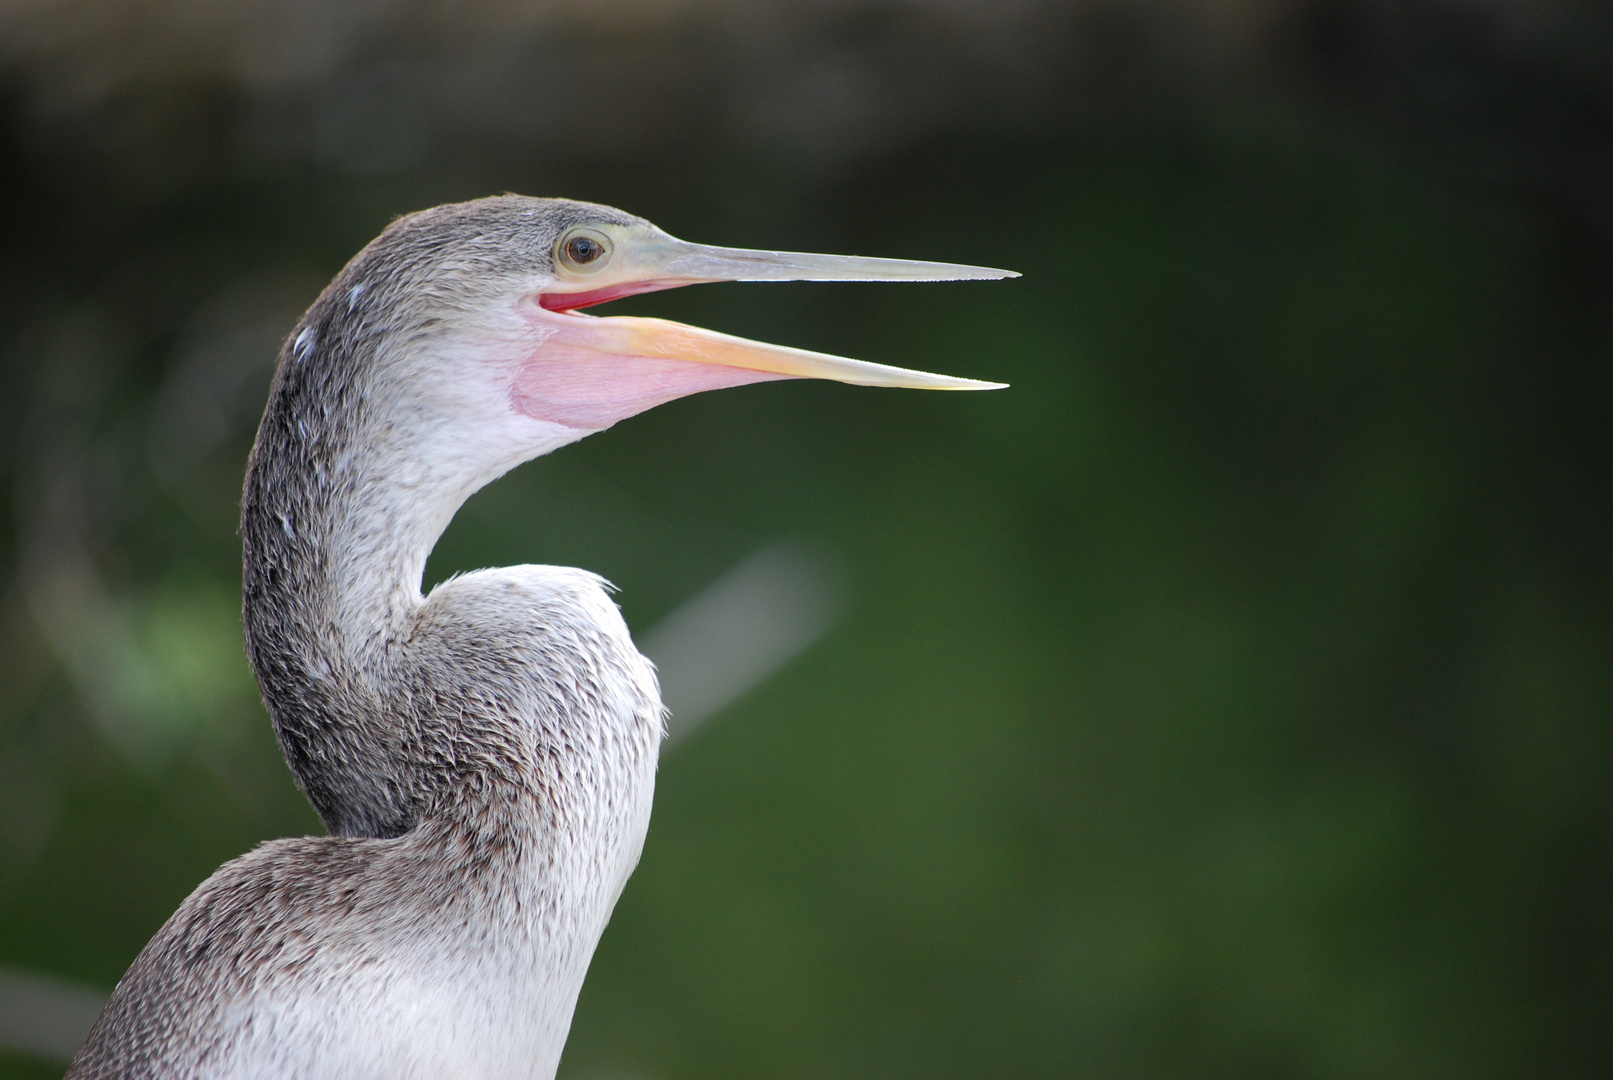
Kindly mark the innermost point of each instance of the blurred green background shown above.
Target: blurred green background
(1231, 697)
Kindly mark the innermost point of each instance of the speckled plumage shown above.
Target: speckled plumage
(386, 413)
(484, 757)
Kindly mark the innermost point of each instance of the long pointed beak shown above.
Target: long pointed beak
(661, 339)
(586, 373)
(703, 263)
(648, 260)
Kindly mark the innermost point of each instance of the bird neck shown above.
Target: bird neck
(356, 472)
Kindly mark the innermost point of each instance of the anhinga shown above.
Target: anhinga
(484, 756)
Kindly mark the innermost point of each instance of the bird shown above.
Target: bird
(483, 756)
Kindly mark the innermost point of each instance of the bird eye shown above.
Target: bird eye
(584, 249)
(580, 249)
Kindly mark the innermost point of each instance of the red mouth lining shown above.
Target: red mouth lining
(574, 301)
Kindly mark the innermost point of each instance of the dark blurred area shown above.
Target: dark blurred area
(1233, 696)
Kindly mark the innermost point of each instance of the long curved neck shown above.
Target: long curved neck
(304, 498)
(352, 479)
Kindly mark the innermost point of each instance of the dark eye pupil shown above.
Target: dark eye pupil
(580, 249)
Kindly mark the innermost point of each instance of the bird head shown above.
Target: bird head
(500, 284)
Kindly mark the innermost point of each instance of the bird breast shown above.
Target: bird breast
(458, 948)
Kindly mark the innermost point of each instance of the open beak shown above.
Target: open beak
(644, 259)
